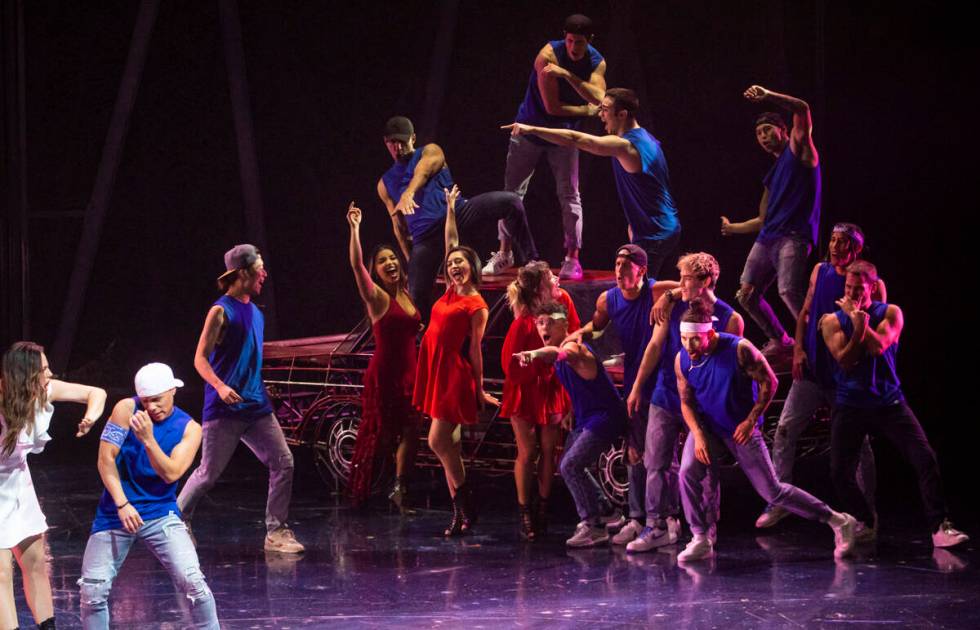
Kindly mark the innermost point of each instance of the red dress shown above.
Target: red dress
(386, 400)
(444, 386)
(533, 393)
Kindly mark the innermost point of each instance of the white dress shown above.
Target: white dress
(20, 513)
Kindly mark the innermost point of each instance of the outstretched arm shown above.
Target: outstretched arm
(606, 146)
(751, 226)
(755, 366)
(92, 397)
(801, 136)
(452, 234)
(431, 162)
(575, 354)
(372, 295)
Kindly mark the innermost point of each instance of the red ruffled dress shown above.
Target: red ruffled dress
(386, 400)
(533, 393)
(444, 385)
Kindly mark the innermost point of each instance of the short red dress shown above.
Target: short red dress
(444, 385)
(386, 401)
(533, 393)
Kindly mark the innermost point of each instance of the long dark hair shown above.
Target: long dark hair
(403, 269)
(476, 268)
(21, 392)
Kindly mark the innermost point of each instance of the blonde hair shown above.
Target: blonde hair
(702, 265)
(524, 293)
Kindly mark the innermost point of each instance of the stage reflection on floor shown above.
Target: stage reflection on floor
(379, 569)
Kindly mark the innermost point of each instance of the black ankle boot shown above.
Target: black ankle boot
(467, 509)
(527, 523)
(47, 624)
(541, 516)
(456, 523)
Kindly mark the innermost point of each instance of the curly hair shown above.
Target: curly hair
(524, 293)
(21, 392)
(702, 264)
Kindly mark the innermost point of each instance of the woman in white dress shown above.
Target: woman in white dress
(26, 393)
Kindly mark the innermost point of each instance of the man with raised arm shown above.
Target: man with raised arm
(863, 338)
(789, 217)
(725, 386)
(236, 407)
(699, 277)
(639, 168)
(413, 191)
(567, 83)
(147, 445)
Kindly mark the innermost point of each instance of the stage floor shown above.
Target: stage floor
(378, 569)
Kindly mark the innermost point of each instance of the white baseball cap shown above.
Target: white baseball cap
(155, 378)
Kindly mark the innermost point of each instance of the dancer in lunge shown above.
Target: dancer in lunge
(699, 276)
(863, 338)
(566, 85)
(789, 216)
(27, 391)
(449, 386)
(639, 167)
(600, 416)
(725, 386)
(814, 385)
(236, 406)
(389, 381)
(533, 399)
(147, 445)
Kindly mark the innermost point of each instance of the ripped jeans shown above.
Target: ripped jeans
(168, 540)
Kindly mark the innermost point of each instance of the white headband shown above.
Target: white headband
(695, 327)
(557, 316)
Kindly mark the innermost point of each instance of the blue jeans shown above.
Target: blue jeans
(660, 458)
(753, 459)
(784, 260)
(169, 541)
(582, 449)
(636, 473)
(523, 155)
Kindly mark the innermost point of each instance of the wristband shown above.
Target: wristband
(119, 507)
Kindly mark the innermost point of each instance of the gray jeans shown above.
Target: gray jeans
(636, 474)
(660, 458)
(804, 398)
(783, 260)
(582, 449)
(523, 156)
(753, 459)
(264, 437)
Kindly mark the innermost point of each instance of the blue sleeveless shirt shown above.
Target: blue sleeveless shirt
(645, 196)
(794, 199)
(725, 394)
(431, 197)
(665, 393)
(146, 491)
(632, 320)
(828, 289)
(873, 382)
(597, 406)
(237, 361)
(532, 110)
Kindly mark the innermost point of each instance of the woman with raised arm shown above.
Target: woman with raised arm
(26, 393)
(449, 386)
(533, 398)
(390, 377)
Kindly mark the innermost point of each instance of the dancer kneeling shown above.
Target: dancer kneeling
(600, 416)
(147, 445)
(725, 386)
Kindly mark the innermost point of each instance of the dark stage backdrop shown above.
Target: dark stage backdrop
(888, 87)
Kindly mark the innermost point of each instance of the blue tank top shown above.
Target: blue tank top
(597, 406)
(149, 494)
(532, 110)
(632, 321)
(873, 382)
(237, 361)
(828, 289)
(645, 196)
(794, 199)
(431, 197)
(725, 393)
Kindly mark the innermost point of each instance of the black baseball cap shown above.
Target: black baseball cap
(399, 128)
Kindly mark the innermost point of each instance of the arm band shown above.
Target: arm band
(114, 434)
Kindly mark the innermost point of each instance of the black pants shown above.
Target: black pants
(478, 213)
(897, 424)
(660, 252)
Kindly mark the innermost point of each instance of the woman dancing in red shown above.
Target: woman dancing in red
(448, 387)
(533, 398)
(390, 377)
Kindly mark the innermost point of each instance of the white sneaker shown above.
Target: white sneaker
(948, 536)
(571, 269)
(700, 548)
(614, 360)
(629, 532)
(499, 262)
(616, 524)
(653, 537)
(770, 516)
(282, 540)
(844, 537)
(587, 536)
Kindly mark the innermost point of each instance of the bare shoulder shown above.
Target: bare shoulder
(122, 412)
